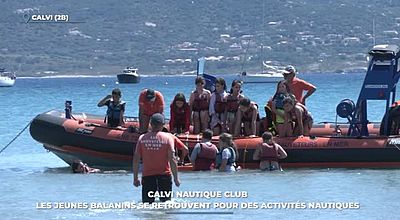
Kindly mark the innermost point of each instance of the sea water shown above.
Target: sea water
(35, 184)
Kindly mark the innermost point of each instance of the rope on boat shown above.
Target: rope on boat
(187, 140)
(15, 138)
(398, 148)
(244, 156)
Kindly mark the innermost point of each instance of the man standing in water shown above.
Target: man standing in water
(156, 149)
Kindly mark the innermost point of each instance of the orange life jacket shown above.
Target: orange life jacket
(206, 158)
(219, 105)
(268, 153)
(200, 102)
(232, 104)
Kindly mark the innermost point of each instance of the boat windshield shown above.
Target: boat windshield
(129, 70)
(6, 73)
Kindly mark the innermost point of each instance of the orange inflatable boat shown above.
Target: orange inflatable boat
(87, 138)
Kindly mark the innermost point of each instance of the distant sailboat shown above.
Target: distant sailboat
(7, 79)
(268, 74)
(264, 76)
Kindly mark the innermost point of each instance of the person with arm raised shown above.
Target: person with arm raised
(115, 108)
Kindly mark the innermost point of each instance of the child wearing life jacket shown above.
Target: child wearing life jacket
(232, 104)
(180, 115)
(297, 115)
(115, 108)
(199, 105)
(269, 152)
(217, 107)
(227, 155)
(204, 153)
(248, 115)
(282, 91)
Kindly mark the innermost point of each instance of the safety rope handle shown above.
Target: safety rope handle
(22, 131)
(244, 156)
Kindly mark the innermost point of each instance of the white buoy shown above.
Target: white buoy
(103, 85)
(117, 82)
(166, 83)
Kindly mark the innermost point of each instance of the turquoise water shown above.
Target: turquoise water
(29, 175)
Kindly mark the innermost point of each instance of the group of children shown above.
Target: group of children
(226, 114)
(219, 111)
(207, 156)
(223, 112)
(236, 114)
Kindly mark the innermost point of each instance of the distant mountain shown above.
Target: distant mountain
(167, 37)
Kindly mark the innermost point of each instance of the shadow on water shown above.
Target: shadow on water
(57, 170)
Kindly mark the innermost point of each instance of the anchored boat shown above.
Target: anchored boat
(87, 138)
(129, 75)
(358, 144)
(7, 79)
(265, 77)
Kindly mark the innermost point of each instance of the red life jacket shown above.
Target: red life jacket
(268, 153)
(248, 115)
(180, 115)
(232, 104)
(200, 102)
(219, 105)
(206, 157)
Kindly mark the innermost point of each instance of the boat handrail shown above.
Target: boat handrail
(90, 124)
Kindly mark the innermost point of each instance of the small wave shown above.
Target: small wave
(272, 23)
(150, 24)
(58, 170)
(75, 32)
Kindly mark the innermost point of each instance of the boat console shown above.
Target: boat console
(379, 84)
(210, 79)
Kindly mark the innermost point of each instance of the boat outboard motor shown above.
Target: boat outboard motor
(68, 109)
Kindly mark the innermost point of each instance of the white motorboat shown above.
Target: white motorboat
(7, 79)
(129, 75)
